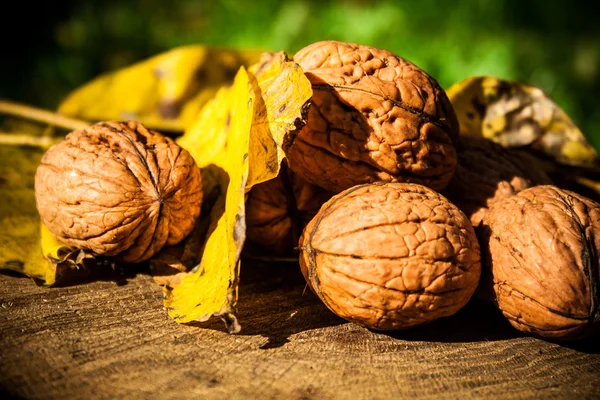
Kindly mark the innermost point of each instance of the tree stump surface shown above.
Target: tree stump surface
(111, 338)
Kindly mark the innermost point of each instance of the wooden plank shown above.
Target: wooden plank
(112, 339)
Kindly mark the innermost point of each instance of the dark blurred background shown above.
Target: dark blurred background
(53, 47)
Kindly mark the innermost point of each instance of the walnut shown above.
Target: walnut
(278, 210)
(374, 117)
(487, 173)
(391, 255)
(118, 189)
(541, 251)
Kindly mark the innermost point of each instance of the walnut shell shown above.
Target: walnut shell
(541, 250)
(278, 210)
(487, 173)
(391, 255)
(374, 117)
(118, 189)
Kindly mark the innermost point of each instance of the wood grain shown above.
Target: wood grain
(112, 339)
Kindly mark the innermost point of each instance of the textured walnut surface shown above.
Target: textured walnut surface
(391, 255)
(116, 188)
(541, 249)
(486, 173)
(374, 117)
(278, 210)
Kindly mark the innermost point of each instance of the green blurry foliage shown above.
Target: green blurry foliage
(554, 45)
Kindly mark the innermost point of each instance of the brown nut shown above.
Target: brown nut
(278, 210)
(374, 117)
(541, 250)
(391, 255)
(118, 189)
(487, 173)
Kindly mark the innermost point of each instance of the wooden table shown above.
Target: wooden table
(112, 339)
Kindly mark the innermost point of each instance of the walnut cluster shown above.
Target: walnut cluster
(387, 251)
(118, 189)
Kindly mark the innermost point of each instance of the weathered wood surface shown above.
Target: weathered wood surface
(112, 339)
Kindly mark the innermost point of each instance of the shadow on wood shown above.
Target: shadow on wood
(477, 321)
(275, 302)
(589, 345)
(119, 275)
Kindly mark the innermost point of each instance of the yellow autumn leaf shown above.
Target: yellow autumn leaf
(26, 246)
(19, 221)
(164, 92)
(237, 143)
(515, 114)
(218, 141)
(283, 96)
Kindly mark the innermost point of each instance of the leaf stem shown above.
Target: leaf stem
(24, 139)
(40, 115)
(590, 183)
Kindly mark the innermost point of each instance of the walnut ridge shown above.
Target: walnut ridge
(118, 189)
(374, 117)
(391, 255)
(541, 251)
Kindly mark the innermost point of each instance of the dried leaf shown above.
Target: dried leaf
(68, 264)
(164, 92)
(19, 220)
(283, 96)
(26, 246)
(218, 141)
(237, 143)
(515, 114)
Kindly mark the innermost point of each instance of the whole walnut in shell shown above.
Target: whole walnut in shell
(374, 117)
(541, 251)
(391, 255)
(118, 189)
(486, 173)
(278, 210)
